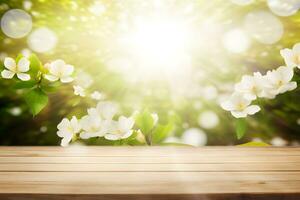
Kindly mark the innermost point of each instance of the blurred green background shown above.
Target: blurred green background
(212, 45)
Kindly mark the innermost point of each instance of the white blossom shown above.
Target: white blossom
(239, 106)
(251, 86)
(96, 95)
(279, 81)
(67, 129)
(59, 70)
(78, 90)
(292, 56)
(13, 68)
(106, 110)
(120, 129)
(93, 126)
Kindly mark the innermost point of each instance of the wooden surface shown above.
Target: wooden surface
(149, 173)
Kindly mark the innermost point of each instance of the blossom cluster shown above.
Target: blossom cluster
(268, 86)
(56, 70)
(98, 122)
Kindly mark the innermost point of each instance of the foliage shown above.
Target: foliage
(195, 81)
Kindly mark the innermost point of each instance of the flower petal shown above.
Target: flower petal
(66, 140)
(296, 48)
(127, 135)
(23, 76)
(23, 65)
(56, 67)
(251, 110)
(111, 137)
(68, 70)
(227, 105)
(51, 78)
(67, 79)
(7, 74)
(63, 124)
(239, 114)
(287, 55)
(10, 64)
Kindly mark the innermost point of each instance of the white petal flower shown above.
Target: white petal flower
(19, 69)
(106, 109)
(120, 129)
(93, 126)
(67, 129)
(97, 95)
(279, 81)
(292, 56)
(79, 91)
(84, 79)
(251, 86)
(59, 70)
(239, 106)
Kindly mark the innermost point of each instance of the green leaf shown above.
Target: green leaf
(52, 87)
(254, 144)
(161, 132)
(145, 122)
(35, 64)
(24, 84)
(241, 127)
(19, 57)
(36, 99)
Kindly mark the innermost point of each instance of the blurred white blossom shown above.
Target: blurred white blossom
(120, 129)
(67, 129)
(279, 142)
(84, 79)
(13, 68)
(208, 119)
(79, 91)
(292, 56)
(195, 137)
(96, 95)
(15, 111)
(93, 126)
(59, 70)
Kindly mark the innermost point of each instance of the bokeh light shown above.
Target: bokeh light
(42, 40)
(264, 27)
(195, 137)
(236, 41)
(284, 7)
(16, 23)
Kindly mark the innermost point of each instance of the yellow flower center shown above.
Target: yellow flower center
(240, 106)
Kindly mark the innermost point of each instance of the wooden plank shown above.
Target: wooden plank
(154, 159)
(150, 182)
(140, 151)
(149, 167)
(149, 173)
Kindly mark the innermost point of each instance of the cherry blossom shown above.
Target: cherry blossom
(239, 106)
(79, 91)
(292, 56)
(13, 68)
(59, 70)
(279, 81)
(120, 129)
(251, 86)
(67, 129)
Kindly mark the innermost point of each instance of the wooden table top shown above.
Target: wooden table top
(149, 173)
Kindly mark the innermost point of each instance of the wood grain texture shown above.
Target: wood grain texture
(149, 173)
